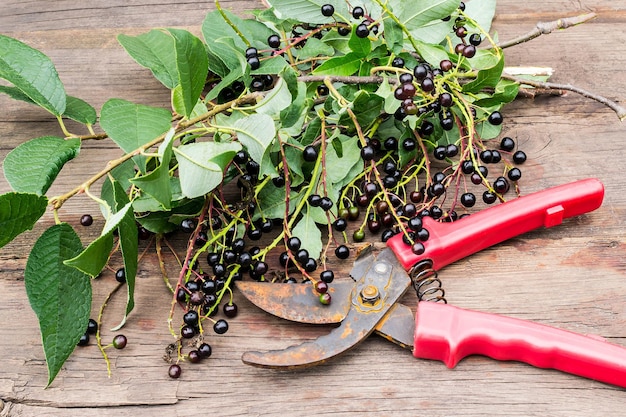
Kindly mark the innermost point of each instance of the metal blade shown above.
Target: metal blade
(378, 290)
(398, 326)
(299, 302)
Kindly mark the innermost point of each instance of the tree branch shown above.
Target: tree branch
(619, 110)
(544, 28)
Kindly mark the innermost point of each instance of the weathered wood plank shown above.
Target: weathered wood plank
(570, 277)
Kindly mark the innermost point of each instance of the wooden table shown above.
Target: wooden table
(572, 276)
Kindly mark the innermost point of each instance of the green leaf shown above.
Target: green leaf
(59, 295)
(277, 99)
(80, 111)
(192, 65)
(344, 164)
(32, 166)
(132, 125)
(272, 202)
(394, 37)
(33, 73)
(128, 239)
(156, 51)
(157, 183)
(201, 165)
(95, 256)
(360, 46)
(485, 78)
(307, 11)
(18, 213)
(433, 54)
(307, 227)
(313, 47)
(255, 132)
(505, 92)
(417, 13)
(366, 107)
(482, 12)
(340, 65)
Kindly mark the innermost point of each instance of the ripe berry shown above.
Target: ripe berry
(409, 144)
(230, 310)
(397, 62)
(84, 340)
(489, 197)
(446, 65)
(340, 225)
(310, 265)
(328, 10)
(358, 12)
(86, 220)
(194, 356)
(514, 174)
(452, 150)
(344, 30)
(188, 225)
(406, 78)
(519, 157)
(475, 39)
(326, 203)
(368, 153)
(327, 276)
(204, 350)
(342, 252)
(273, 41)
(447, 124)
(415, 224)
(486, 156)
(174, 371)
(251, 52)
(294, 243)
(309, 153)
(315, 200)
(187, 332)
(322, 90)
(92, 326)
(427, 85)
(191, 318)
(418, 248)
(501, 185)
(220, 326)
(427, 128)
(495, 118)
(119, 341)
(445, 99)
(362, 31)
(507, 144)
(254, 63)
(468, 200)
(120, 275)
(420, 72)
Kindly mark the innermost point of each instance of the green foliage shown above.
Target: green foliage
(18, 213)
(58, 294)
(230, 122)
(44, 156)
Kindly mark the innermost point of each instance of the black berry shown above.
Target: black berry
(86, 220)
(358, 12)
(220, 326)
(342, 252)
(362, 31)
(174, 371)
(273, 41)
(328, 10)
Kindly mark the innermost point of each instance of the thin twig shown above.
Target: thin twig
(544, 28)
(621, 111)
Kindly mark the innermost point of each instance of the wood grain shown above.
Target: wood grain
(572, 276)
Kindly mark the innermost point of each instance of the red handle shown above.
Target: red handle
(450, 242)
(449, 334)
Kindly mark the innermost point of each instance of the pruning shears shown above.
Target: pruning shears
(440, 331)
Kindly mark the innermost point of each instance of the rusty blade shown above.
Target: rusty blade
(299, 302)
(374, 295)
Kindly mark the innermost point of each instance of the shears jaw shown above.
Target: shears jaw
(380, 287)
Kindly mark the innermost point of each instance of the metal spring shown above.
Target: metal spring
(426, 283)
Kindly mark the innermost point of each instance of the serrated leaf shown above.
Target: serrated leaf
(32, 166)
(192, 65)
(80, 111)
(157, 183)
(33, 73)
(59, 295)
(128, 239)
(482, 12)
(488, 77)
(340, 65)
(417, 13)
(272, 202)
(277, 99)
(95, 256)
(307, 11)
(360, 46)
(310, 234)
(256, 133)
(201, 165)
(18, 213)
(156, 51)
(132, 125)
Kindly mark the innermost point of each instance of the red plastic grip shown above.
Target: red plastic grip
(449, 334)
(450, 242)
